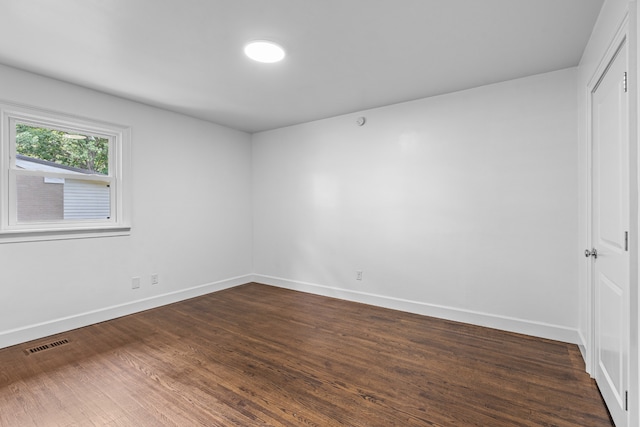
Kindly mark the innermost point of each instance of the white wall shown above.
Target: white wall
(191, 184)
(462, 206)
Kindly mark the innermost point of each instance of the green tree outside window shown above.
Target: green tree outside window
(75, 150)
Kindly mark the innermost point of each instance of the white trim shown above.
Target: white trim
(62, 234)
(634, 218)
(510, 324)
(582, 345)
(44, 329)
(505, 323)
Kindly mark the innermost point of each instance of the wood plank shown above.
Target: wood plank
(256, 355)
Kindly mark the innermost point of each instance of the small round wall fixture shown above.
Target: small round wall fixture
(264, 51)
(360, 121)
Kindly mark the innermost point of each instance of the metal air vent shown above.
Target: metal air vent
(47, 346)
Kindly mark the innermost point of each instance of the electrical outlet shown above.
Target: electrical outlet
(155, 279)
(359, 275)
(135, 283)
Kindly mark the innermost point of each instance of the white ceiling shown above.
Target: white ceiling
(343, 55)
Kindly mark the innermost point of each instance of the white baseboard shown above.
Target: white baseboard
(521, 326)
(582, 345)
(56, 326)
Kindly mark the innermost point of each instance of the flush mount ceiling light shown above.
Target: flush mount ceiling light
(264, 51)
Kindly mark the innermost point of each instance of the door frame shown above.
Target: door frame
(627, 31)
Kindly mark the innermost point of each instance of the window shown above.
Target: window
(62, 176)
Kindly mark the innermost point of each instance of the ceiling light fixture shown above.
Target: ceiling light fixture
(264, 51)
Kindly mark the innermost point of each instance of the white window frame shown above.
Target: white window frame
(119, 222)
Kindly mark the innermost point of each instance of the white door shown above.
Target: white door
(610, 215)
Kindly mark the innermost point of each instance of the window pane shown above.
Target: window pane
(45, 149)
(42, 199)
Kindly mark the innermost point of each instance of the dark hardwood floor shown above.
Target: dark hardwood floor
(257, 355)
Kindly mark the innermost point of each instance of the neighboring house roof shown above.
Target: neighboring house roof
(31, 163)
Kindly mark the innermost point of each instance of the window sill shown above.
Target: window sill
(17, 236)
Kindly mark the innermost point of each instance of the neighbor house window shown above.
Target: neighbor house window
(62, 176)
